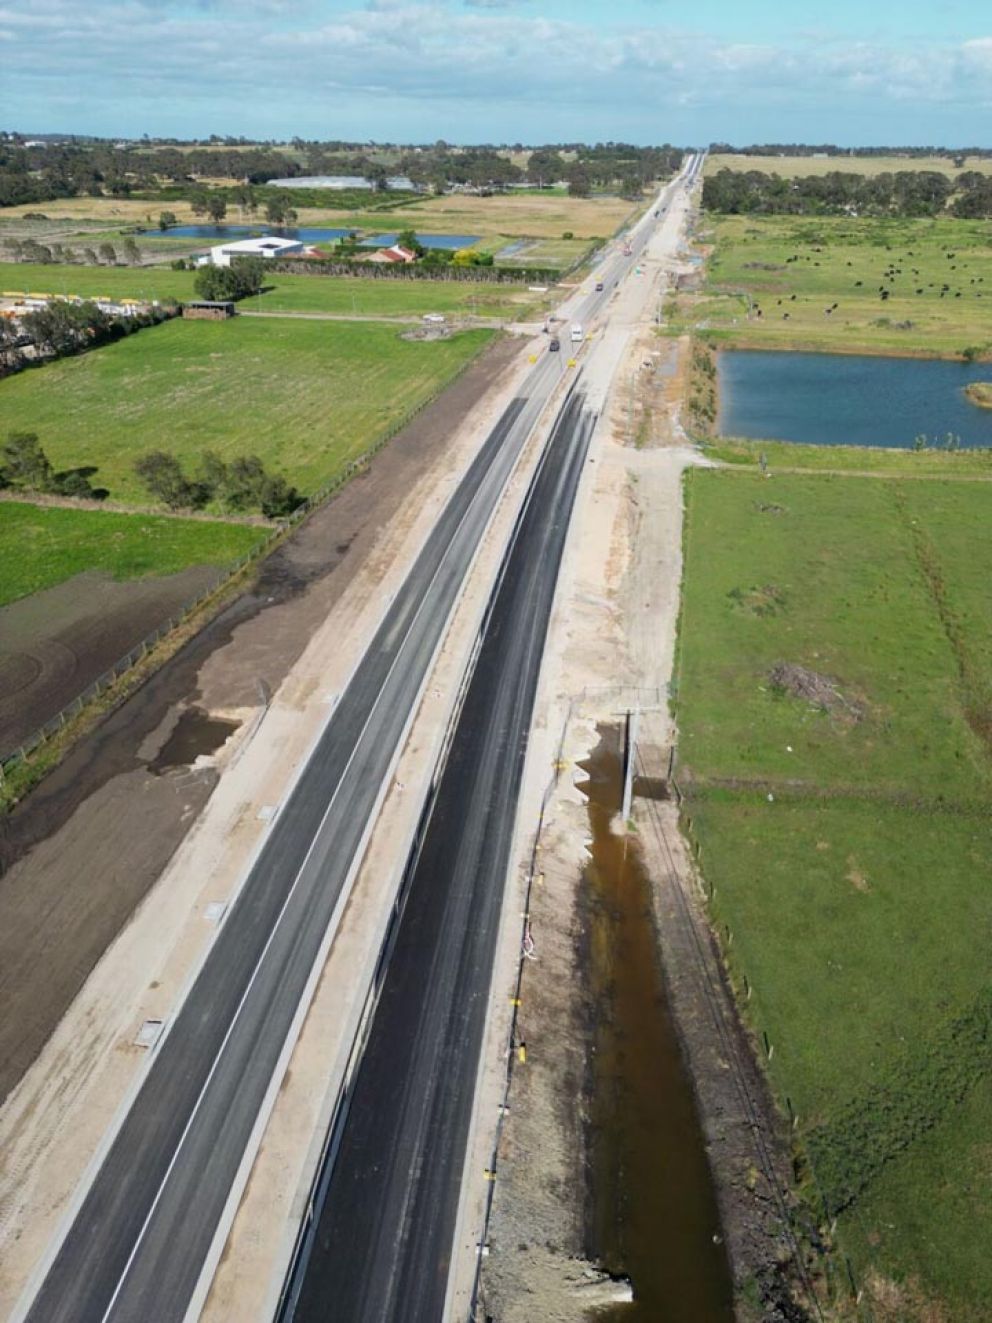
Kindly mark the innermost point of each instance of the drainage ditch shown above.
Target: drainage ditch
(651, 1213)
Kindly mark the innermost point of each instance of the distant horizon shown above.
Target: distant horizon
(742, 148)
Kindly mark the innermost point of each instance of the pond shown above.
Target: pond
(306, 233)
(856, 400)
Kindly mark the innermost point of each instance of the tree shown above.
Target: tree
(162, 474)
(239, 280)
(279, 209)
(579, 183)
(166, 220)
(132, 253)
(11, 358)
(216, 207)
(24, 464)
(378, 178)
(408, 239)
(108, 253)
(277, 499)
(199, 201)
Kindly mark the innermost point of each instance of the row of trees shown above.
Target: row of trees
(956, 154)
(62, 328)
(24, 466)
(29, 250)
(904, 193)
(240, 485)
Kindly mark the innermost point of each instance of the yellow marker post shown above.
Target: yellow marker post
(488, 1175)
(514, 1001)
(522, 1053)
(571, 362)
(532, 358)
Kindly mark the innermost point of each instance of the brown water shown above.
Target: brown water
(653, 1213)
(195, 733)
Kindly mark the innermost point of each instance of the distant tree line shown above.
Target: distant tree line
(243, 484)
(52, 169)
(906, 193)
(830, 149)
(29, 250)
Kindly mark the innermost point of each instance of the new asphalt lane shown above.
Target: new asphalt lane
(382, 1240)
(138, 1241)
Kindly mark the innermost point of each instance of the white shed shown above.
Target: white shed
(269, 245)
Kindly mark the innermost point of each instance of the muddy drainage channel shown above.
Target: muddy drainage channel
(652, 1213)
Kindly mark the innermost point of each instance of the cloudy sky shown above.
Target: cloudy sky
(850, 71)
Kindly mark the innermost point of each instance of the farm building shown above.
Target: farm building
(391, 256)
(210, 310)
(268, 246)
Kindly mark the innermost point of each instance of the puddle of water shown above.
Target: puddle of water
(196, 733)
(653, 1212)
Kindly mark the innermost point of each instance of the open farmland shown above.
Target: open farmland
(795, 167)
(503, 215)
(305, 396)
(847, 842)
(41, 546)
(891, 286)
(333, 294)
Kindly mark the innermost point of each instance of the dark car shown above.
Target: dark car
(554, 346)
(599, 286)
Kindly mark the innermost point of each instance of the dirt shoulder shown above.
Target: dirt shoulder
(82, 850)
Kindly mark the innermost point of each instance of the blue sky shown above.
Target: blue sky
(851, 71)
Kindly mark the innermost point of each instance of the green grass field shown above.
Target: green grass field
(795, 167)
(770, 280)
(41, 546)
(306, 396)
(344, 294)
(850, 850)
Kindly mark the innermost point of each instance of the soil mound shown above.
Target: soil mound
(816, 689)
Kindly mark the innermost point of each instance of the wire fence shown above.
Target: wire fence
(105, 682)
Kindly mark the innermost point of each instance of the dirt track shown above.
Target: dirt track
(84, 848)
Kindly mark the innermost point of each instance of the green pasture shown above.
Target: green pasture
(849, 850)
(355, 295)
(770, 282)
(41, 546)
(305, 396)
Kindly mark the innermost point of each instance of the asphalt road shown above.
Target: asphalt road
(136, 1246)
(143, 1225)
(383, 1237)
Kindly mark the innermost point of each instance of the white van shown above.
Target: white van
(577, 336)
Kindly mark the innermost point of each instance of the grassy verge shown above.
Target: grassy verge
(305, 396)
(41, 546)
(284, 293)
(848, 849)
(771, 280)
(853, 459)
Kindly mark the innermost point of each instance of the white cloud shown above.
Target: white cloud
(397, 62)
